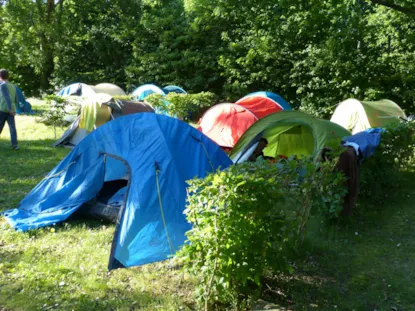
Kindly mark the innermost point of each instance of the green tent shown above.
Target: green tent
(357, 116)
(288, 133)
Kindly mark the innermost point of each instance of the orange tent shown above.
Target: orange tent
(225, 123)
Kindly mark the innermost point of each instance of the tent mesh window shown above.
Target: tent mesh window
(289, 140)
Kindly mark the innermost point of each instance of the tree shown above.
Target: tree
(34, 27)
(316, 53)
(97, 44)
(406, 7)
(176, 46)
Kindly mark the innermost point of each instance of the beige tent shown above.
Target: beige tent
(85, 90)
(357, 116)
(95, 111)
(110, 89)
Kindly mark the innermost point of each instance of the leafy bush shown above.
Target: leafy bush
(380, 173)
(59, 110)
(183, 106)
(248, 218)
(123, 97)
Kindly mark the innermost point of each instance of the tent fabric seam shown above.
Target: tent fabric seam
(162, 211)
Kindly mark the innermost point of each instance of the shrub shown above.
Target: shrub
(380, 173)
(183, 106)
(247, 219)
(59, 109)
(123, 97)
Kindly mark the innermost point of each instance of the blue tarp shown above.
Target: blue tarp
(158, 154)
(367, 141)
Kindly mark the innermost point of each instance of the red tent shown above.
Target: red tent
(262, 104)
(225, 123)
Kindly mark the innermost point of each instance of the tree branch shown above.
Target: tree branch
(59, 18)
(397, 7)
(50, 10)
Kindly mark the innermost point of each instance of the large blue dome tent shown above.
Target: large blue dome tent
(155, 155)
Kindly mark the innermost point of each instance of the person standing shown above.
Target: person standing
(8, 102)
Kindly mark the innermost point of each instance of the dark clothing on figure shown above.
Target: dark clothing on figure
(5, 116)
(259, 150)
(348, 165)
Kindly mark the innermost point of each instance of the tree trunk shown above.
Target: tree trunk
(48, 67)
(50, 19)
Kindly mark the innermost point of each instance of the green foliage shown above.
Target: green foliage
(176, 46)
(59, 110)
(96, 45)
(314, 53)
(123, 97)
(380, 174)
(248, 219)
(183, 106)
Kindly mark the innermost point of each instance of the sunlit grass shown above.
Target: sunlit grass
(65, 267)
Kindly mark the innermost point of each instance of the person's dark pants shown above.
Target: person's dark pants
(349, 166)
(5, 116)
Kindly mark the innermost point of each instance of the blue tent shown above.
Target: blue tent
(23, 105)
(173, 89)
(147, 89)
(74, 89)
(144, 90)
(156, 154)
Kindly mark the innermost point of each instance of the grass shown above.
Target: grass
(367, 263)
(65, 267)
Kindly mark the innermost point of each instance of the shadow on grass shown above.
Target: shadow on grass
(22, 170)
(362, 263)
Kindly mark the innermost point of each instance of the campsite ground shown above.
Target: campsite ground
(367, 263)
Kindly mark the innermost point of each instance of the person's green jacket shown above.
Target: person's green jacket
(8, 97)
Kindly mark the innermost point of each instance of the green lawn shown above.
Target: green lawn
(367, 263)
